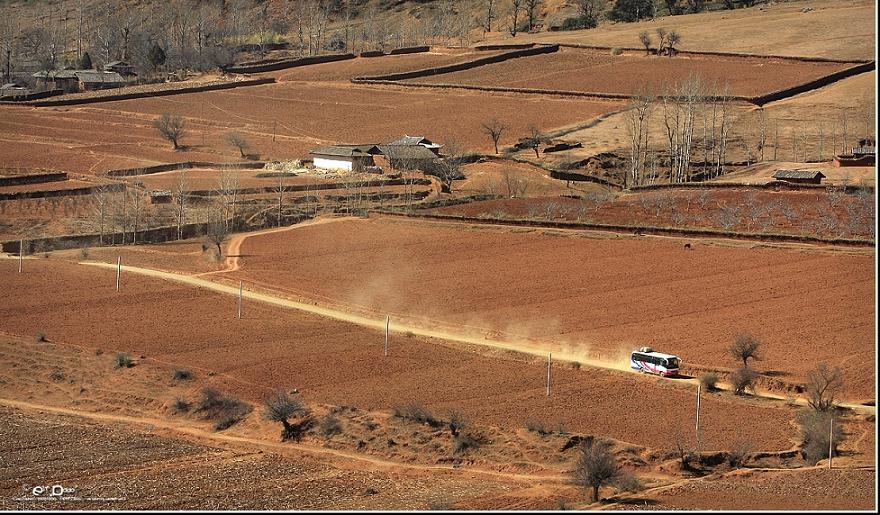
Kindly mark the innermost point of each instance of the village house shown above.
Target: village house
(123, 68)
(72, 81)
(406, 153)
(799, 176)
(352, 158)
(863, 155)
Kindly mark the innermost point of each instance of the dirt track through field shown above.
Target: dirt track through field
(214, 437)
(540, 349)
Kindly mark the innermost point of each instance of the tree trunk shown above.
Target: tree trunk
(595, 493)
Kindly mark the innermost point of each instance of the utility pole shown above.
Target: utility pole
(549, 364)
(387, 327)
(118, 270)
(699, 391)
(240, 288)
(20, 254)
(830, 441)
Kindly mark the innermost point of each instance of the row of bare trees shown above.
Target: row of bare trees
(693, 116)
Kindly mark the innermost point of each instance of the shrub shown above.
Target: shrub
(182, 374)
(616, 51)
(456, 423)
(742, 380)
(415, 412)
(123, 360)
(738, 454)
(57, 376)
(709, 381)
(463, 442)
(627, 482)
(330, 426)
(814, 432)
(181, 405)
(41, 337)
(84, 253)
(536, 426)
(224, 410)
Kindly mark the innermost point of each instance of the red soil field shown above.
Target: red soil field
(369, 66)
(339, 363)
(597, 71)
(808, 213)
(589, 292)
(302, 116)
(47, 186)
(809, 489)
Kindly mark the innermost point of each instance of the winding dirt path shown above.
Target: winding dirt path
(526, 347)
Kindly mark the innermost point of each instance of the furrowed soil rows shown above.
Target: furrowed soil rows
(301, 116)
(606, 295)
(340, 363)
(596, 71)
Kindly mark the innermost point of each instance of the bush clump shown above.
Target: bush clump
(181, 405)
(709, 381)
(415, 412)
(224, 410)
(123, 360)
(815, 427)
(464, 442)
(182, 374)
(41, 337)
(537, 427)
(330, 426)
(742, 380)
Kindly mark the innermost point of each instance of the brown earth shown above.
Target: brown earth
(301, 116)
(608, 293)
(595, 71)
(369, 66)
(809, 489)
(341, 363)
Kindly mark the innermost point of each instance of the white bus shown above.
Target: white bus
(650, 362)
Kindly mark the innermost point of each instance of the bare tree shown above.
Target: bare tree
(281, 407)
(513, 11)
(280, 189)
(672, 39)
(645, 39)
(494, 129)
(217, 235)
(743, 379)
(534, 139)
(102, 207)
(490, 15)
(171, 126)
(637, 125)
(588, 12)
(823, 384)
(227, 190)
(179, 196)
(745, 347)
(595, 466)
(137, 195)
(237, 140)
(532, 9)
(450, 165)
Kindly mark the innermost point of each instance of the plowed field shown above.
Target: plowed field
(600, 72)
(606, 295)
(340, 363)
